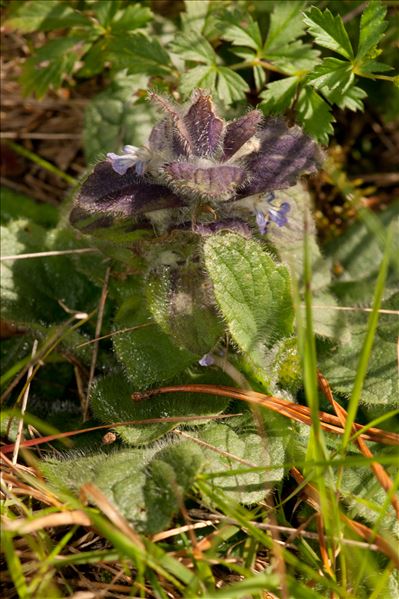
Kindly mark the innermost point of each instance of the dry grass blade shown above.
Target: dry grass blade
(47, 254)
(297, 412)
(25, 526)
(47, 439)
(24, 404)
(379, 471)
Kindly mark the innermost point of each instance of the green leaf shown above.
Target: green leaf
(120, 475)
(358, 254)
(49, 66)
(372, 67)
(42, 15)
(140, 54)
(194, 17)
(332, 73)
(182, 305)
(147, 354)
(314, 115)
(278, 95)
(252, 290)
(372, 27)
(31, 289)
(240, 439)
(170, 475)
(295, 58)
(193, 46)
(111, 401)
(351, 99)
(106, 11)
(20, 280)
(15, 205)
(286, 25)
(130, 18)
(329, 31)
(339, 364)
(203, 76)
(113, 118)
(243, 33)
(230, 86)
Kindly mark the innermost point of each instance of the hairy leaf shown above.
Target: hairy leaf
(111, 401)
(241, 439)
(252, 290)
(170, 474)
(181, 301)
(148, 355)
(120, 475)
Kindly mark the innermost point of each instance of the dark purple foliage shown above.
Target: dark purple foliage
(194, 157)
(107, 194)
(239, 132)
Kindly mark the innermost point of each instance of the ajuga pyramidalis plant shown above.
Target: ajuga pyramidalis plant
(194, 170)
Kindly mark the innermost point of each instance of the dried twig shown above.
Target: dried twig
(24, 404)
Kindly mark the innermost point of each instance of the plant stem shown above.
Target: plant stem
(48, 166)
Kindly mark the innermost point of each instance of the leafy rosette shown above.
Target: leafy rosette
(193, 170)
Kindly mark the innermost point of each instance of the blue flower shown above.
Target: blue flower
(129, 158)
(262, 222)
(279, 214)
(275, 212)
(206, 360)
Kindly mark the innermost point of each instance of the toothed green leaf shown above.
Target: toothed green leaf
(372, 27)
(252, 290)
(314, 115)
(329, 31)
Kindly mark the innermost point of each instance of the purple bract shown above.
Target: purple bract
(194, 157)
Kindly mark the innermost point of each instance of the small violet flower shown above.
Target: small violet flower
(277, 213)
(206, 360)
(262, 222)
(129, 158)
